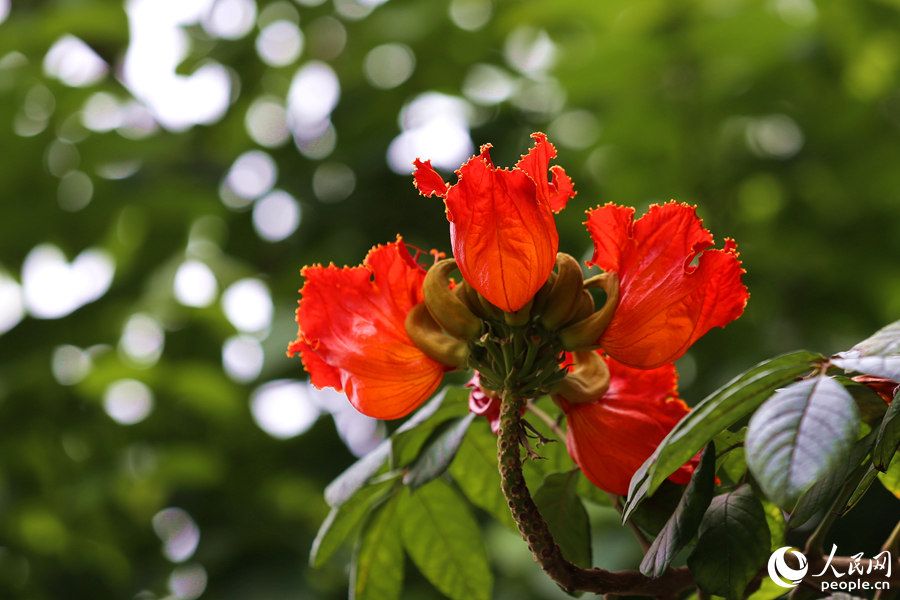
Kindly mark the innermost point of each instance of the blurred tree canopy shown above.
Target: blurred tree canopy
(169, 166)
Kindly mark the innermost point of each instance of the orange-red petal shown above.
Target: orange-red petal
(352, 335)
(556, 192)
(502, 231)
(665, 302)
(611, 438)
(427, 180)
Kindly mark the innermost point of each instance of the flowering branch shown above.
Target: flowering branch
(536, 533)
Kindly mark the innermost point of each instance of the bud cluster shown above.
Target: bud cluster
(522, 352)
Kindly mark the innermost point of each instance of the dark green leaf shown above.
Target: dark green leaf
(347, 483)
(866, 479)
(685, 521)
(343, 520)
(822, 493)
(444, 541)
(377, 569)
(407, 440)
(590, 492)
(653, 514)
(730, 459)
(435, 459)
(888, 438)
(475, 470)
(877, 355)
(734, 543)
(798, 435)
(561, 507)
(721, 409)
(890, 479)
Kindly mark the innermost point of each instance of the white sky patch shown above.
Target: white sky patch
(54, 287)
(358, 432)
(179, 533)
(276, 216)
(242, 358)
(283, 409)
(74, 63)
(128, 401)
(252, 174)
(158, 45)
(195, 284)
(279, 43)
(314, 93)
(142, 340)
(248, 305)
(436, 127)
(12, 303)
(230, 19)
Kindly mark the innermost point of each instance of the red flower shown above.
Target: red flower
(665, 301)
(885, 388)
(609, 439)
(501, 221)
(352, 337)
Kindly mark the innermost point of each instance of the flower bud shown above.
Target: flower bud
(446, 307)
(428, 336)
(564, 294)
(586, 333)
(587, 381)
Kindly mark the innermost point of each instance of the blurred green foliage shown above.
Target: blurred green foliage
(780, 119)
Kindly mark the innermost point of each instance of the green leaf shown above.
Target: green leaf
(590, 492)
(408, 439)
(721, 409)
(685, 521)
(890, 479)
(475, 470)
(347, 483)
(435, 459)
(798, 435)
(444, 541)
(888, 438)
(377, 568)
(777, 525)
(865, 482)
(877, 355)
(734, 543)
(343, 520)
(561, 507)
(730, 458)
(814, 501)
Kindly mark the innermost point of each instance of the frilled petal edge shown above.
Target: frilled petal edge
(352, 337)
(673, 287)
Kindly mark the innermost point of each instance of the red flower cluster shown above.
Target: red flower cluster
(673, 288)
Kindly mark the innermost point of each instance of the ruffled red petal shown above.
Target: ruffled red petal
(501, 221)
(665, 302)
(352, 335)
(427, 180)
(611, 438)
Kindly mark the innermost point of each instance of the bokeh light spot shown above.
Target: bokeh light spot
(128, 401)
(248, 305)
(179, 533)
(282, 408)
(242, 358)
(194, 284)
(276, 216)
(279, 43)
(389, 65)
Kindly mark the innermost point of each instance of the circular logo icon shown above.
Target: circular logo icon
(783, 575)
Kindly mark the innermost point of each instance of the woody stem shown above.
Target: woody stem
(536, 533)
